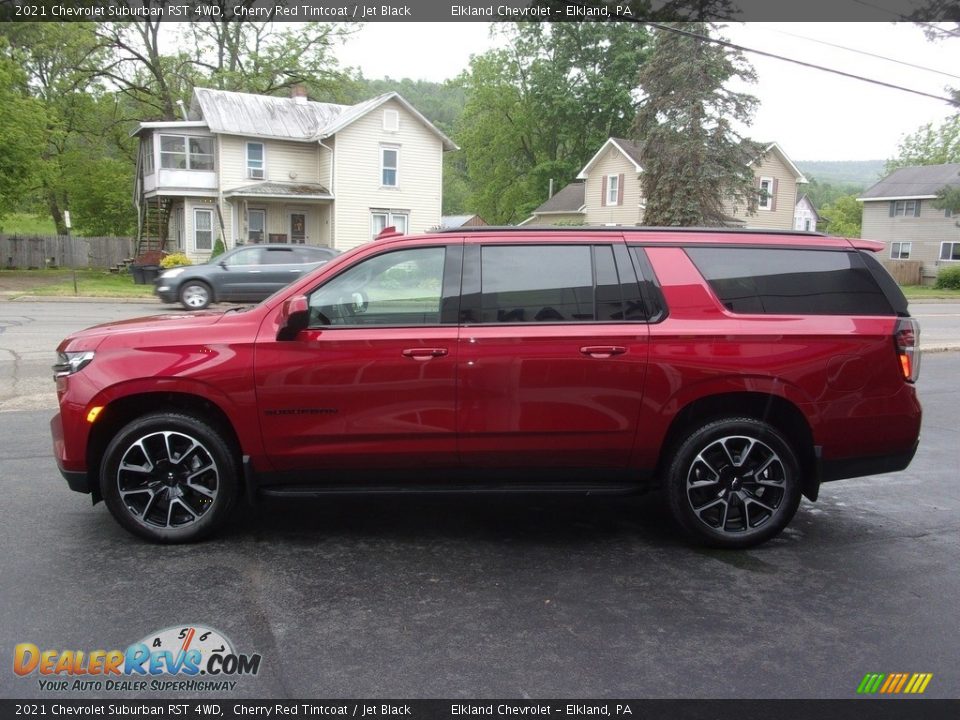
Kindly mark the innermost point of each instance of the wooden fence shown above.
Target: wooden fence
(905, 272)
(35, 251)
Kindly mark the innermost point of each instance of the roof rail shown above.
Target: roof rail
(625, 228)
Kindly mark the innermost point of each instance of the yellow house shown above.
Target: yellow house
(608, 191)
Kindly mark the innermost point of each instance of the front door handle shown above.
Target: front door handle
(424, 353)
(603, 351)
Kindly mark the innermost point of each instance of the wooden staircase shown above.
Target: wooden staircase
(154, 227)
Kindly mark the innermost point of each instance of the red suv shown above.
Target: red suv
(736, 370)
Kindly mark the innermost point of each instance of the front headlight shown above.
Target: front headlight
(70, 362)
(172, 272)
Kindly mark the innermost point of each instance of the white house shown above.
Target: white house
(254, 168)
(805, 215)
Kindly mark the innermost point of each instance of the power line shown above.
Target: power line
(868, 54)
(803, 63)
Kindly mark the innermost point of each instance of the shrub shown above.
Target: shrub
(218, 249)
(949, 278)
(175, 260)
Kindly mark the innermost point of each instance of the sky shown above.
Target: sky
(813, 115)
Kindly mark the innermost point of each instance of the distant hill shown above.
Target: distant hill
(863, 173)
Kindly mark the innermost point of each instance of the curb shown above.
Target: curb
(13, 297)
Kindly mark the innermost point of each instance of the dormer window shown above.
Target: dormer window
(391, 120)
(255, 161)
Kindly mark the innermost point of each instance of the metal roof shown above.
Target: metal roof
(281, 190)
(917, 181)
(285, 118)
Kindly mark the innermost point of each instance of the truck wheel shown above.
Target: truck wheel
(169, 478)
(733, 483)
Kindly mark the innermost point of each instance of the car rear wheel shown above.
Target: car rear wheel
(169, 478)
(733, 483)
(195, 295)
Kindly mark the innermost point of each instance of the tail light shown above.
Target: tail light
(907, 339)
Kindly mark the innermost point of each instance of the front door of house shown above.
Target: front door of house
(298, 227)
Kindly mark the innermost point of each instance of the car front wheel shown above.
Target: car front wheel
(169, 478)
(733, 483)
(195, 295)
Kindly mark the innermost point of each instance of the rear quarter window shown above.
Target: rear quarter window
(790, 281)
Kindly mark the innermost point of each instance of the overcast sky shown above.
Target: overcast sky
(812, 114)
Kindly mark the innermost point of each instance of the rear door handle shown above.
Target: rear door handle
(603, 351)
(424, 353)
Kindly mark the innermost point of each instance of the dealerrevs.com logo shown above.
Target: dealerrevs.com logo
(186, 658)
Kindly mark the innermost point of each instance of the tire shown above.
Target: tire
(733, 483)
(195, 295)
(170, 478)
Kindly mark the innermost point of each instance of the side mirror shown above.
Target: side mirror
(294, 317)
(223, 264)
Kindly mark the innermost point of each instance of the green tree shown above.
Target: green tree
(843, 216)
(22, 131)
(930, 145)
(697, 167)
(540, 108)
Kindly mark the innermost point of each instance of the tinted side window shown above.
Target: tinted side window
(536, 283)
(790, 282)
(247, 256)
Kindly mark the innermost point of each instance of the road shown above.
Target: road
(494, 597)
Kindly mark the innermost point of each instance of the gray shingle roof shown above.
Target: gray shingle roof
(569, 199)
(630, 148)
(913, 182)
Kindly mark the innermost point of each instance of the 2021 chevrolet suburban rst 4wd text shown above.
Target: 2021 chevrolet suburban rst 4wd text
(736, 370)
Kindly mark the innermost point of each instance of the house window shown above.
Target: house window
(904, 208)
(613, 190)
(203, 229)
(900, 250)
(255, 164)
(389, 164)
(256, 224)
(766, 194)
(178, 152)
(380, 219)
(391, 120)
(948, 213)
(201, 154)
(148, 156)
(806, 224)
(950, 251)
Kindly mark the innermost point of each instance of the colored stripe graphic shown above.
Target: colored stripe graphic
(894, 683)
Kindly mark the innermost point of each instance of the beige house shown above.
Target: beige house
(253, 168)
(608, 191)
(899, 211)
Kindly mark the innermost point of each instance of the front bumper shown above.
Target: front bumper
(78, 479)
(166, 293)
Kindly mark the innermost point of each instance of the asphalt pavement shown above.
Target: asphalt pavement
(490, 597)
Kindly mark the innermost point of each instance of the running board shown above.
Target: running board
(453, 488)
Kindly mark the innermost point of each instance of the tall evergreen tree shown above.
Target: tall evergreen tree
(697, 167)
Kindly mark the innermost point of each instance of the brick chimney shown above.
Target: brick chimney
(299, 93)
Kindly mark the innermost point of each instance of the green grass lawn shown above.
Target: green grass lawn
(90, 283)
(27, 224)
(922, 292)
